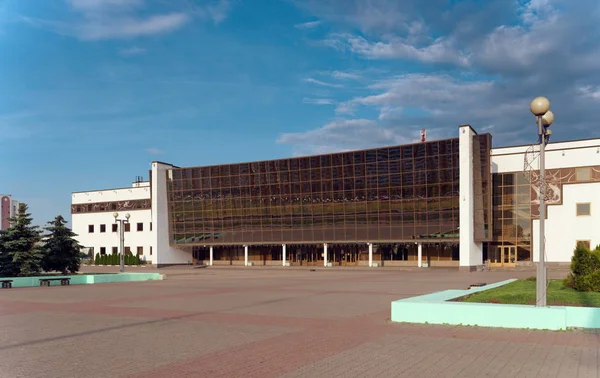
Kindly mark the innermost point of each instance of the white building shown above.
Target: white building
(455, 202)
(573, 194)
(95, 225)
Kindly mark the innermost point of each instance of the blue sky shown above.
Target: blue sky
(92, 91)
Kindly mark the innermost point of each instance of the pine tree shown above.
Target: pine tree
(21, 254)
(62, 251)
(7, 267)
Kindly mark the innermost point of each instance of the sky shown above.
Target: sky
(93, 91)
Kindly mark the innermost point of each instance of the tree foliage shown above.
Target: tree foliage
(21, 252)
(62, 253)
(585, 269)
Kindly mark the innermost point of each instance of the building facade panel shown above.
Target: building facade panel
(392, 194)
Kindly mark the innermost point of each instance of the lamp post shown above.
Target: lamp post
(121, 223)
(540, 107)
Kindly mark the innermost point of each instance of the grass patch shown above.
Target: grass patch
(523, 292)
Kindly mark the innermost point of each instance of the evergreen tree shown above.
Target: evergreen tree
(62, 251)
(137, 258)
(97, 259)
(7, 267)
(21, 254)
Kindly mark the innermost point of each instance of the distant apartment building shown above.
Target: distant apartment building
(8, 209)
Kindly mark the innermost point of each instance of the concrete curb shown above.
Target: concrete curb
(435, 309)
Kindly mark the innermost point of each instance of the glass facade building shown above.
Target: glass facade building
(385, 195)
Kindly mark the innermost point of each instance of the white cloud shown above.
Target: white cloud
(95, 5)
(590, 92)
(125, 19)
(318, 101)
(154, 151)
(322, 83)
(309, 25)
(440, 50)
(218, 10)
(484, 64)
(133, 50)
(342, 75)
(343, 134)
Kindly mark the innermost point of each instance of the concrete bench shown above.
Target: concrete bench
(6, 284)
(63, 281)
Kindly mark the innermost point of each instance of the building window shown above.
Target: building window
(140, 250)
(584, 209)
(585, 243)
(140, 226)
(102, 228)
(583, 174)
(91, 228)
(115, 227)
(127, 250)
(127, 227)
(115, 250)
(103, 250)
(150, 250)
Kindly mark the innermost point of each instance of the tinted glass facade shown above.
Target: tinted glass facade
(512, 213)
(392, 194)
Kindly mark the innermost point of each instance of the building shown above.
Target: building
(94, 223)
(456, 202)
(8, 209)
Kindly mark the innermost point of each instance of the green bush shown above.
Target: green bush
(585, 270)
(584, 261)
(97, 259)
(137, 259)
(116, 260)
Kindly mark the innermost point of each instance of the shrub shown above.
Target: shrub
(585, 270)
(116, 259)
(584, 261)
(137, 259)
(97, 259)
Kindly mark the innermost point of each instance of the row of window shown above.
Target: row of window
(115, 227)
(115, 250)
(381, 155)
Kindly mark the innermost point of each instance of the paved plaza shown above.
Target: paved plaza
(253, 322)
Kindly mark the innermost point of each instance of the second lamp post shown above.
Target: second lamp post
(540, 107)
(121, 223)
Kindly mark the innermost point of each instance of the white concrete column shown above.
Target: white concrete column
(325, 254)
(211, 256)
(284, 256)
(246, 255)
(470, 251)
(370, 255)
(419, 255)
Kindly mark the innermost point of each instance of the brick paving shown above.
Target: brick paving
(276, 322)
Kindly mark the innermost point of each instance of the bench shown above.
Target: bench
(63, 281)
(479, 284)
(6, 284)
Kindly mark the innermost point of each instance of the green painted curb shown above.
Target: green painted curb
(435, 309)
(86, 279)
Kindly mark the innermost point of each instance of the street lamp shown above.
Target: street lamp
(540, 107)
(121, 223)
